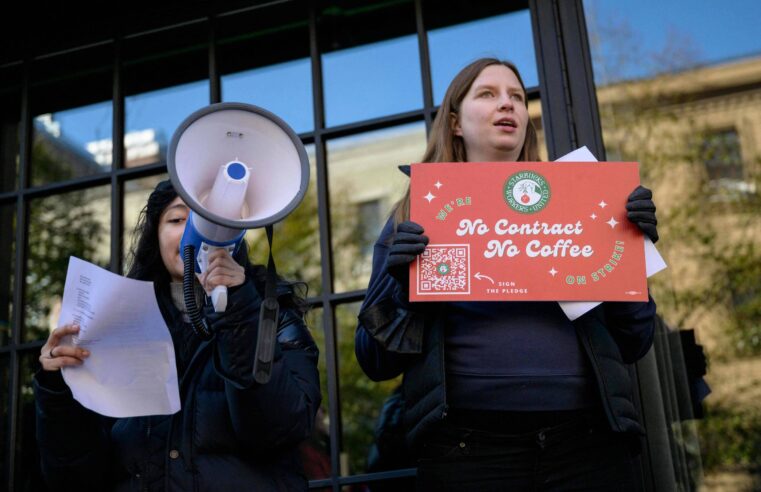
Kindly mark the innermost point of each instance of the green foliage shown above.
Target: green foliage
(59, 226)
(730, 437)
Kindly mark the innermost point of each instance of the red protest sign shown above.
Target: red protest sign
(526, 231)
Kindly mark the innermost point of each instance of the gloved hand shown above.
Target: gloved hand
(641, 210)
(408, 242)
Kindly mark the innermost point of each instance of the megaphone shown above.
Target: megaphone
(237, 167)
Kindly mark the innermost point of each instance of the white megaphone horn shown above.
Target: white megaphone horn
(237, 167)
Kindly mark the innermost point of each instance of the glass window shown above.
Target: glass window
(364, 168)
(72, 116)
(371, 63)
(8, 251)
(295, 240)
(252, 72)
(76, 223)
(315, 451)
(685, 104)
(361, 398)
(5, 401)
(10, 112)
(155, 106)
(27, 470)
(505, 36)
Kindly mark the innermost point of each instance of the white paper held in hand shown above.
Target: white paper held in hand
(131, 370)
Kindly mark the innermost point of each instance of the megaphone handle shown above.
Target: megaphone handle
(219, 298)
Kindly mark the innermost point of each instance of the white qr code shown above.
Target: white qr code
(444, 269)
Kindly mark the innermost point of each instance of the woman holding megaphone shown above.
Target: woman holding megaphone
(232, 432)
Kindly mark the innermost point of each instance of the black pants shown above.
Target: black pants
(579, 453)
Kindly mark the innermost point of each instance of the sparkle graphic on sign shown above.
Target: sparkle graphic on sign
(438, 185)
(602, 204)
(612, 222)
(429, 197)
(553, 272)
(594, 216)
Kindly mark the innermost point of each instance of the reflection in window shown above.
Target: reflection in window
(8, 252)
(4, 401)
(506, 36)
(361, 169)
(284, 89)
(152, 118)
(27, 470)
(372, 80)
(361, 398)
(76, 223)
(72, 143)
(315, 451)
(296, 240)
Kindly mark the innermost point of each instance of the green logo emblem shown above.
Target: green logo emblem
(442, 269)
(527, 192)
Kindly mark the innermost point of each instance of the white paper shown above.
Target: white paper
(131, 369)
(653, 260)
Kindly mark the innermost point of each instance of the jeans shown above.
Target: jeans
(579, 454)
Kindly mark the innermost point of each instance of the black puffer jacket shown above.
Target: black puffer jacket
(231, 433)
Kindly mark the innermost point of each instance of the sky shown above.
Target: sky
(628, 38)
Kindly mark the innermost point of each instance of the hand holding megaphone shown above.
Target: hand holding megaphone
(220, 273)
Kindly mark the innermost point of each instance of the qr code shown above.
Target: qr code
(444, 269)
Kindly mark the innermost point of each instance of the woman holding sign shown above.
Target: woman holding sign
(231, 433)
(503, 395)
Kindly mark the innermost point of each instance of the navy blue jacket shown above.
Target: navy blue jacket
(395, 336)
(231, 433)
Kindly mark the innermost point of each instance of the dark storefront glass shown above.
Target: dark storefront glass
(315, 451)
(364, 185)
(156, 105)
(5, 401)
(76, 223)
(361, 398)
(457, 37)
(370, 60)
(7, 251)
(27, 471)
(10, 115)
(72, 134)
(278, 80)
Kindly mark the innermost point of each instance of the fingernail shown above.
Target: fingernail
(86, 353)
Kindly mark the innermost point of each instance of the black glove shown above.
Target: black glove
(641, 210)
(408, 242)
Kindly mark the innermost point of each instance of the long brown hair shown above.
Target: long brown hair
(444, 145)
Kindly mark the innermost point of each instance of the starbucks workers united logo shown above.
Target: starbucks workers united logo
(527, 192)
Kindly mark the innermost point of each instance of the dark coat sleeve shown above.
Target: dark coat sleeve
(391, 329)
(74, 442)
(632, 326)
(281, 412)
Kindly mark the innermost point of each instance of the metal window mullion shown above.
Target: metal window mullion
(328, 317)
(117, 163)
(25, 151)
(425, 65)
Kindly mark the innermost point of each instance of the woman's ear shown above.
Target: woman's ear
(454, 124)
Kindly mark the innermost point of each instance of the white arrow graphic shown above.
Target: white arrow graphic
(479, 277)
